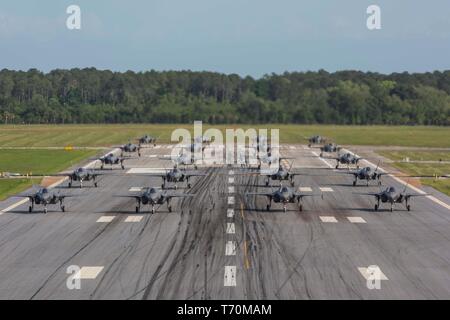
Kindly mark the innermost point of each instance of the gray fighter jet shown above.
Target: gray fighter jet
(284, 195)
(45, 197)
(153, 196)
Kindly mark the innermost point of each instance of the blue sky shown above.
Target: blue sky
(248, 37)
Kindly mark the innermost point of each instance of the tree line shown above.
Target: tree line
(346, 97)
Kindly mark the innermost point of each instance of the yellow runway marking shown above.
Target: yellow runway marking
(246, 261)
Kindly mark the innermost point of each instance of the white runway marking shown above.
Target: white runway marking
(326, 189)
(230, 228)
(229, 279)
(376, 270)
(230, 248)
(323, 160)
(15, 205)
(134, 219)
(88, 273)
(106, 219)
(291, 147)
(135, 189)
(230, 200)
(305, 189)
(231, 172)
(230, 180)
(230, 189)
(356, 220)
(157, 147)
(328, 219)
(146, 170)
(230, 213)
(152, 156)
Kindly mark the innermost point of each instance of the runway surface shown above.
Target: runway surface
(220, 244)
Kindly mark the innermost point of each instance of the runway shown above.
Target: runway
(220, 244)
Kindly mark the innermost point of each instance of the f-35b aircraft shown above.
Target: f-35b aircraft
(82, 174)
(146, 139)
(316, 140)
(283, 195)
(182, 159)
(392, 196)
(329, 148)
(130, 148)
(153, 196)
(176, 175)
(45, 197)
(345, 159)
(111, 159)
(367, 174)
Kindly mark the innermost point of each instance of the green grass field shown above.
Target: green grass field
(40, 161)
(425, 169)
(417, 155)
(35, 161)
(107, 135)
(9, 187)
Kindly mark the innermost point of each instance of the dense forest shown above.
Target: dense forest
(347, 97)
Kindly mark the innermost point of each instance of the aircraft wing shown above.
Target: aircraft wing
(267, 194)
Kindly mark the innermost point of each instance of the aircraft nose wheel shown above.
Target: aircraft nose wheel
(137, 209)
(45, 210)
(268, 207)
(408, 207)
(30, 209)
(376, 207)
(189, 185)
(70, 184)
(96, 184)
(267, 183)
(170, 208)
(63, 209)
(300, 208)
(292, 183)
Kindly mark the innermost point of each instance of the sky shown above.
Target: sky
(247, 37)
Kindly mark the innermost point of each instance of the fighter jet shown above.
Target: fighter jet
(130, 148)
(329, 148)
(176, 175)
(153, 196)
(146, 139)
(392, 196)
(283, 195)
(45, 197)
(81, 174)
(367, 174)
(316, 140)
(346, 159)
(202, 139)
(269, 159)
(182, 159)
(112, 159)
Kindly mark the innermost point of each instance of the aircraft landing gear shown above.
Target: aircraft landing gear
(95, 184)
(170, 208)
(45, 209)
(268, 207)
(189, 185)
(376, 207)
(30, 208)
(300, 208)
(63, 208)
(354, 183)
(70, 184)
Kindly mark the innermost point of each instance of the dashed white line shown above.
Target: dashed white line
(305, 189)
(231, 228)
(373, 272)
(231, 172)
(135, 189)
(229, 279)
(328, 219)
(134, 219)
(88, 273)
(230, 200)
(106, 219)
(356, 220)
(230, 189)
(230, 213)
(230, 248)
(231, 180)
(326, 189)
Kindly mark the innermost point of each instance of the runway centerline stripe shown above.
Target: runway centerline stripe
(134, 219)
(88, 273)
(231, 189)
(106, 219)
(231, 200)
(230, 248)
(376, 270)
(230, 180)
(356, 220)
(231, 228)
(326, 189)
(328, 219)
(230, 213)
(305, 189)
(229, 279)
